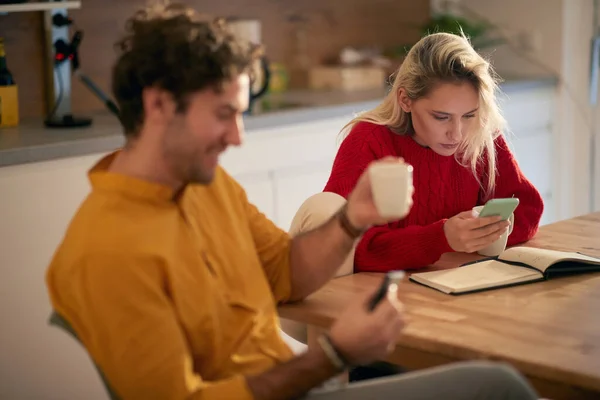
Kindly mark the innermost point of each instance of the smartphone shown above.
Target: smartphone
(391, 278)
(499, 207)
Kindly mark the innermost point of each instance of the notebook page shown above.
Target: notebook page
(477, 276)
(541, 259)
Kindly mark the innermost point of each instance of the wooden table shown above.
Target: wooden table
(550, 330)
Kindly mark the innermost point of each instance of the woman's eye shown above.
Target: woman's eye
(470, 116)
(440, 118)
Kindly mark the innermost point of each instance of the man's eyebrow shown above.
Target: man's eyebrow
(445, 113)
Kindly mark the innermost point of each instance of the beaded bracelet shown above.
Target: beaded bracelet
(332, 354)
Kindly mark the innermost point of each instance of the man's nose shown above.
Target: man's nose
(235, 135)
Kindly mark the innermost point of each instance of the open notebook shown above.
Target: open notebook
(516, 265)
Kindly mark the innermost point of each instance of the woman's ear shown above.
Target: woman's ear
(404, 101)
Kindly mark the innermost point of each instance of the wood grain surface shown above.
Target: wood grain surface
(549, 330)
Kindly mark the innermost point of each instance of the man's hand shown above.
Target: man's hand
(359, 335)
(363, 336)
(362, 212)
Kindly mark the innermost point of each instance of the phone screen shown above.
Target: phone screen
(499, 207)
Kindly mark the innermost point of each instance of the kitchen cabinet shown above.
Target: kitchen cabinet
(260, 191)
(294, 185)
(287, 164)
(36, 203)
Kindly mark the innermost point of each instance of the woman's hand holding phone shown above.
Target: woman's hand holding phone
(468, 233)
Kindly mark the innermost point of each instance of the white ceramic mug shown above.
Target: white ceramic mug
(392, 187)
(496, 248)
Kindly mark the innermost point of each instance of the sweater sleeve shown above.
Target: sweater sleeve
(383, 248)
(512, 182)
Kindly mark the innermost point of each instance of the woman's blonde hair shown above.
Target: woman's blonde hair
(439, 58)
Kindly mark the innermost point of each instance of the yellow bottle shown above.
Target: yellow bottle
(9, 98)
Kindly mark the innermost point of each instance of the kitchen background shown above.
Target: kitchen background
(380, 23)
(287, 156)
(531, 48)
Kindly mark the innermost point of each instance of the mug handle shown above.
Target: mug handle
(264, 63)
(512, 223)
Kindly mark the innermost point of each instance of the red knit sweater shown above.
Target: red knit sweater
(443, 188)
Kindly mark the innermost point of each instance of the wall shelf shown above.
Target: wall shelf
(58, 77)
(39, 6)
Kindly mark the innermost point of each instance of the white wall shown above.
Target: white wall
(538, 22)
(530, 116)
(576, 122)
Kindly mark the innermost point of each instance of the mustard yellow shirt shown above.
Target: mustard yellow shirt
(173, 299)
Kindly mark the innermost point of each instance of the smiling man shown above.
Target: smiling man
(171, 278)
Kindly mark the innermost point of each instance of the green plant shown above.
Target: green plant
(481, 34)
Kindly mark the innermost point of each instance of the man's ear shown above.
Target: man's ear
(404, 101)
(159, 105)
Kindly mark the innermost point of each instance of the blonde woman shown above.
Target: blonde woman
(442, 117)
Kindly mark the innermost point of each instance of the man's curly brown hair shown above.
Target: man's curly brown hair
(171, 46)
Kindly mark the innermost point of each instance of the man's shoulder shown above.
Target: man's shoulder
(103, 226)
(105, 245)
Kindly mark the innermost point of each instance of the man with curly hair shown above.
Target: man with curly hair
(171, 278)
